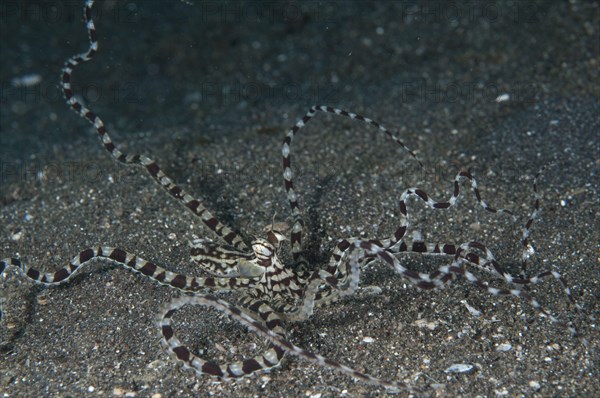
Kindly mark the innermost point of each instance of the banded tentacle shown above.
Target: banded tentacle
(342, 278)
(193, 204)
(269, 321)
(527, 228)
(298, 223)
(398, 236)
(490, 264)
(336, 266)
(461, 176)
(526, 248)
(269, 328)
(356, 253)
(130, 262)
(437, 279)
(338, 273)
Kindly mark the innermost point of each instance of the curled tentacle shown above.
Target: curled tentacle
(268, 328)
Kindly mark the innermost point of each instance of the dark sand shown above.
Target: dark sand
(433, 72)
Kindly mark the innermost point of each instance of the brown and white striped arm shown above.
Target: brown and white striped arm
(194, 205)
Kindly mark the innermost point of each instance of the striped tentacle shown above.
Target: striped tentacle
(342, 277)
(342, 284)
(296, 234)
(396, 243)
(439, 278)
(527, 228)
(490, 264)
(131, 262)
(195, 205)
(270, 327)
(338, 267)
(303, 310)
(485, 261)
(458, 268)
(461, 176)
(337, 274)
(527, 250)
(268, 321)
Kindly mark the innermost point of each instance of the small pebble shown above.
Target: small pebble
(460, 368)
(534, 384)
(502, 98)
(504, 347)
